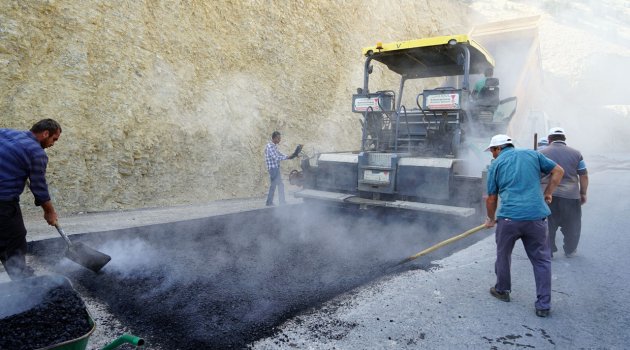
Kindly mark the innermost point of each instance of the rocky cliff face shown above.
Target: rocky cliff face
(172, 102)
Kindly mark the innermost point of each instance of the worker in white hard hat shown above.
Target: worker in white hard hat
(514, 178)
(499, 140)
(568, 198)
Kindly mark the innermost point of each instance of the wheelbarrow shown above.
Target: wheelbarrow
(81, 342)
(19, 299)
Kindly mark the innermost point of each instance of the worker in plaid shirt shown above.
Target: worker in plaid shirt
(272, 159)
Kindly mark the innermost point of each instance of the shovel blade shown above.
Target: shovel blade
(87, 257)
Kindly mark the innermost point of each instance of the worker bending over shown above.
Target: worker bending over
(514, 178)
(22, 158)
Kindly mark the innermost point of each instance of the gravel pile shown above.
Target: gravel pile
(40, 312)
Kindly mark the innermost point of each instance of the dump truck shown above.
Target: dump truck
(515, 43)
(424, 130)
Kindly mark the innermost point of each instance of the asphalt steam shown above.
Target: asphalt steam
(226, 281)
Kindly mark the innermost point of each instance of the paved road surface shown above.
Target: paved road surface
(450, 307)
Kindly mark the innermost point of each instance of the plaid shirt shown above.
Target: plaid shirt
(273, 156)
(22, 157)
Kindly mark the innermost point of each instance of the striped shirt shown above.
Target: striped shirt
(273, 156)
(22, 157)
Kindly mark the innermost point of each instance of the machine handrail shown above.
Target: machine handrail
(365, 126)
(393, 102)
(396, 133)
(424, 114)
(404, 109)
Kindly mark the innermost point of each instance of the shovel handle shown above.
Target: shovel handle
(443, 243)
(63, 234)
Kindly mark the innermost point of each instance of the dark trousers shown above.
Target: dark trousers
(276, 181)
(13, 240)
(567, 214)
(535, 240)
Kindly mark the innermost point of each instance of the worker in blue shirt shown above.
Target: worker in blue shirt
(513, 178)
(22, 158)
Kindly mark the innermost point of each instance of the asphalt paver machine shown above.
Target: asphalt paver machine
(422, 145)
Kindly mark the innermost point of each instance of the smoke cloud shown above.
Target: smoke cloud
(585, 59)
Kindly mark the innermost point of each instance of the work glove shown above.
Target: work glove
(297, 151)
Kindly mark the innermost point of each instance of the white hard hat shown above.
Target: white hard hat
(556, 131)
(499, 140)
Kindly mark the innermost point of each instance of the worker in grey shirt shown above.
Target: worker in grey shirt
(570, 195)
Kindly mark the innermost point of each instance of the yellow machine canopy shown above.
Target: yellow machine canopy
(431, 57)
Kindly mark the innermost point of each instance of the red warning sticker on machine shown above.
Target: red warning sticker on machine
(443, 101)
(366, 103)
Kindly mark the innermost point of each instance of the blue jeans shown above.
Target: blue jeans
(276, 180)
(534, 235)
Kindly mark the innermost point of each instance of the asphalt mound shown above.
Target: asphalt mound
(39, 312)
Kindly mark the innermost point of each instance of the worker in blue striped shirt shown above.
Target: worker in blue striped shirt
(22, 158)
(272, 159)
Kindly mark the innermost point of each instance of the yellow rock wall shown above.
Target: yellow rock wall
(172, 102)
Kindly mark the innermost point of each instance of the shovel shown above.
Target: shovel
(84, 255)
